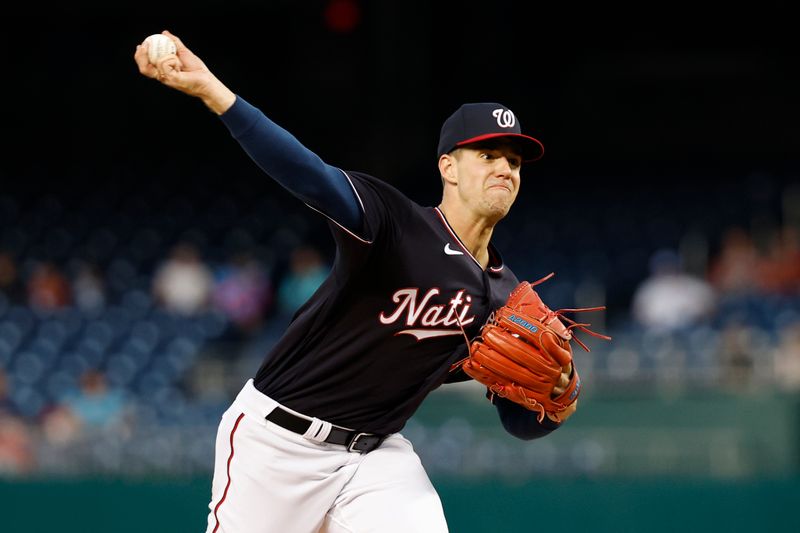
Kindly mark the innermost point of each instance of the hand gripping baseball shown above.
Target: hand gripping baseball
(523, 350)
(185, 72)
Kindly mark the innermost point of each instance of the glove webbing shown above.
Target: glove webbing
(583, 326)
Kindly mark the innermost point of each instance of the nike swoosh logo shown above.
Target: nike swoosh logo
(450, 251)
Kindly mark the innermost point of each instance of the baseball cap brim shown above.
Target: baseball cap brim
(531, 148)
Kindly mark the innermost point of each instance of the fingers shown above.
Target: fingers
(188, 61)
(167, 67)
(145, 67)
(563, 381)
(568, 411)
(561, 386)
(565, 413)
(178, 43)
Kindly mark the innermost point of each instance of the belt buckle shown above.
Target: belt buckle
(364, 442)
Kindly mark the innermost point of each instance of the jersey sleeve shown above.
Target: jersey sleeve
(385, 210)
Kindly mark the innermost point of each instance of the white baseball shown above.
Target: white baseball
(159, 45)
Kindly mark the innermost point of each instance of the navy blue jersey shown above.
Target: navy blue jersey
(384, 328)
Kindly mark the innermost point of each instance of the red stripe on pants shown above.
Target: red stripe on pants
(228, 484)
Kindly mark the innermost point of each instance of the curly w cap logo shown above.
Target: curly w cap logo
(505, 118)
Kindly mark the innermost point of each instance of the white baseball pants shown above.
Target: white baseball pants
(268, 479)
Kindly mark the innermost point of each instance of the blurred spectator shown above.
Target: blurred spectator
(736, 356)
(243, 292)
(95, 404)
(48, 287)
(10, 284)
(88, 287)
(306, 273)
(733, 270)
(60, 426)
(183, 283)
(16, 442)
(670, 298)
(16, 446)
(779, 269)
(787, 358)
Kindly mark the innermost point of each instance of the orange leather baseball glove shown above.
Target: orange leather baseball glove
(523, 349)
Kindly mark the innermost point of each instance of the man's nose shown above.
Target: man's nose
(504, 166)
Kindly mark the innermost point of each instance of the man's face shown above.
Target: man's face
(488, 175)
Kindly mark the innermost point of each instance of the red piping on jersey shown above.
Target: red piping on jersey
(461, 244)
(227, 485)
(493, 256)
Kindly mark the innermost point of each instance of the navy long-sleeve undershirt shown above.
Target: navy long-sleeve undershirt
(521, 422)
(299, 170)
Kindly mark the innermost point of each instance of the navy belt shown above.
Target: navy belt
(354, 441)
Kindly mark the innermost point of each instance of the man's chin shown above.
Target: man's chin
(498, 210)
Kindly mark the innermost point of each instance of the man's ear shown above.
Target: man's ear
(447, 163)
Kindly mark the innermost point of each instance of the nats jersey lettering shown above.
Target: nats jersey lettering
(418, 312)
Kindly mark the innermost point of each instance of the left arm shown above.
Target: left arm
(522, 423)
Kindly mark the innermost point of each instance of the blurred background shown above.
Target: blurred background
(146, 264)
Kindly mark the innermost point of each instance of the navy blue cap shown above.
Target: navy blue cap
(478, 122)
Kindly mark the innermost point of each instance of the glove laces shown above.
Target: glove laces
(573, 325)
(463, 360)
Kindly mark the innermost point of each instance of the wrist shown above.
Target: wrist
(217, 97)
